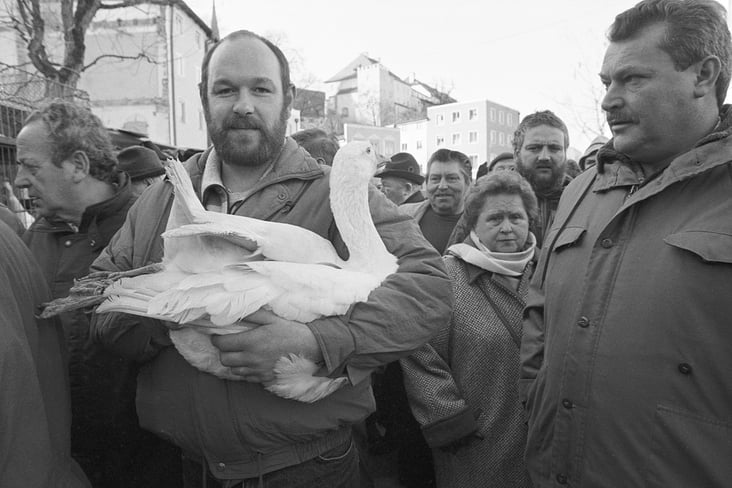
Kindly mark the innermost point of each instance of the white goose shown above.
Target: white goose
(219, 268)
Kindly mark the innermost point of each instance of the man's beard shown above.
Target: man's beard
(539, 182)
(230, 150)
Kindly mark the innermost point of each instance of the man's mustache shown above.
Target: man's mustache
(246, 122)
(615, 117)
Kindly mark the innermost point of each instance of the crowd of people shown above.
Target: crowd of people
(545, 326)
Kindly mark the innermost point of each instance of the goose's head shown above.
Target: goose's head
(356, 158)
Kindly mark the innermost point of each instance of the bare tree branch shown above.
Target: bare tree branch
(144, 56)
(132, 3)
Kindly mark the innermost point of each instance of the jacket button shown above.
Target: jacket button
(606, 243)
(566, 403)
(221, 466)
(561, 479)
(685, 368)
(67, 243)
(583, 322)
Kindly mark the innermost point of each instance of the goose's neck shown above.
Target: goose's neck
(350, 206)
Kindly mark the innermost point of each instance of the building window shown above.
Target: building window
(404, 146)
(493, 137)
(455, 117)
(198, 39)
(474, 159)
(509, 120)
(440, 141)
(473, 114)
(178, 24)
(473, 137)
(179, 68)
(344, 112)
(501, 138)
(419, 144)
(440, 119)
(501, 117)
(492, 156)
(456, 139)
(201, 120)
(182, 111)
(493, 114)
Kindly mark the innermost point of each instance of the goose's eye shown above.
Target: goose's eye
(368, 150)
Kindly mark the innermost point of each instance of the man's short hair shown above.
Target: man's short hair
(447, 156)
(318, 143)
(72, 128)
(543, 117)
(695, 29)
(244, 34)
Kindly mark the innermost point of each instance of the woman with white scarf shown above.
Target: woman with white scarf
(463, 385)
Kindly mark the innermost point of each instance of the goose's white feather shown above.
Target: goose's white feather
(219, 268)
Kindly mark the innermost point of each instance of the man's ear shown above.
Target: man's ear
(80, 165)
(707, 72)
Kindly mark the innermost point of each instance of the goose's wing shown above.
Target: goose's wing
(309, 291)
(273, 240)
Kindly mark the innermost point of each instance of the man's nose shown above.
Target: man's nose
(612, 99)
(544, 154)
(244, 105)
(20, 178)
(443, 183)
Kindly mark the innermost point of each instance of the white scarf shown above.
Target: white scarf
(504, 263)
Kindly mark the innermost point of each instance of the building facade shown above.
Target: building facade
(154, 90)
(481, 129)
(366, 92)
(413, 139)
(143, 68)
(385, 140)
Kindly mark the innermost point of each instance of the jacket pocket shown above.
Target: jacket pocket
(710, 246)
(569, 237)
(689, 450)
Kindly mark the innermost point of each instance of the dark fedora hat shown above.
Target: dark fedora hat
(501, 157)
(402, 165)
(140, 162)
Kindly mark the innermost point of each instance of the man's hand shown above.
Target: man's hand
(252, 354)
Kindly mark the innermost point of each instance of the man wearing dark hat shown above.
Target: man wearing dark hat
(142, 165)
(503, 161)
(400, 179)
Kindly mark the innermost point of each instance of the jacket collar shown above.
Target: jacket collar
(92, 213)
(292, 163)
(615, 169)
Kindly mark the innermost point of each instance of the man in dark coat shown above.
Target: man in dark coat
(35, 414)
(66, 162)
(626, 338)
(540, 146)
(401, 180)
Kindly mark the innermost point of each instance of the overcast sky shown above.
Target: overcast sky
(526, 54)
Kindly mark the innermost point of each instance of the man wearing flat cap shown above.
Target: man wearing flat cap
(142, 165)
(401, 181)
